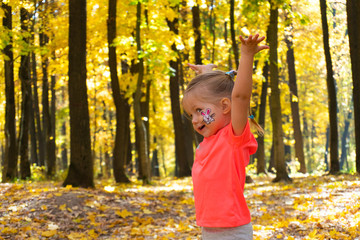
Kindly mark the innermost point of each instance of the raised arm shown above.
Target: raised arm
(241, 93)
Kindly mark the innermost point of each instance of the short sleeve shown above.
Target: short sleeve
(245, 140)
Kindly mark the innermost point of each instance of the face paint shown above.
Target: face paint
(208, 118)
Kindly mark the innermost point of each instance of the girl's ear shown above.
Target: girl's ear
(225, 105)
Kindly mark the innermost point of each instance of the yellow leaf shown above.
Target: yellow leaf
(62, 207)
(135, 231)
(9, 230)
(93, 234)
(44, 207)
(75, 236)
(313, 234)
(49, 233)
(171, 235)
(103, 208)
(147, 211)
(124, 213)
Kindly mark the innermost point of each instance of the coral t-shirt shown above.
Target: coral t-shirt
(219, 176)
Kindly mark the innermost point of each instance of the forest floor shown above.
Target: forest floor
(322, 207)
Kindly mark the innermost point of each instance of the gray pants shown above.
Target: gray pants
(244, 232)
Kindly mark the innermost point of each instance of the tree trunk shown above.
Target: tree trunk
(189, 137)
(182, 163)
(260, 153)
(294, 102)
(39, 132)
(332, 103)
(198, 46)
(121, 105)
(197, 34)
(353, 19)
(326, 155)
(226, 41)
(155, 161)
(142, 154)
(48, 131)
(64, 152)
(51, 145)
(235, 46)
(344, 140)
(24, 75)
(11, 151)
(33, 113)
(144, 107)
(212, 26)
(275, 103)
(81, 172)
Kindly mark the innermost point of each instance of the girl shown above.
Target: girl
(218, 109)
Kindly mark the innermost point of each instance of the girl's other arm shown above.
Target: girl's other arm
(241, 93)
(199, 69)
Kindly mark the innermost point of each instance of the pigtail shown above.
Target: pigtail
(259, 129)
(231, 74)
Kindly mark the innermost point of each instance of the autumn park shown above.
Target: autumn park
(95, 142)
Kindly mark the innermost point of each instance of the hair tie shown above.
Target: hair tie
(231, 73)
(251, 116)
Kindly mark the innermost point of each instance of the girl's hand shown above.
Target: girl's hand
(199, 69)
(249, 46)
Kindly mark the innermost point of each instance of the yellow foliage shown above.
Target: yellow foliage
(48, 234)
(9, 230)
(124, 213)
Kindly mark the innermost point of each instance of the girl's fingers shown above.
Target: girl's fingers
(211, 65)
(263, 47)
(242, 39)
(260, 39)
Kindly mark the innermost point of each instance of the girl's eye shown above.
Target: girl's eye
(198, 110)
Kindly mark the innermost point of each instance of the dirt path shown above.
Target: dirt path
(310, 208)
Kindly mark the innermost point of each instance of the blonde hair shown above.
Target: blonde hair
(214, 86)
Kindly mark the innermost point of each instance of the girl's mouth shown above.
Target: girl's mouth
(202, 127)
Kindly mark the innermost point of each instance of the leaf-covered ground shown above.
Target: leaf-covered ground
(310, 208)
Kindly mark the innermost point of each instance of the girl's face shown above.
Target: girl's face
(207, 118)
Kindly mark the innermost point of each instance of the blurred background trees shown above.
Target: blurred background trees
(127, 87)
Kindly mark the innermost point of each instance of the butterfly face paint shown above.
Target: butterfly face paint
(208, 118)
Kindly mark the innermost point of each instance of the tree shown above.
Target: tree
(260, 153)
(122, 107)
(24, 75)
(294, 99)
(235, 46)
(332, 103)
(144, 170)
(10, 164)
(33, 95)
(48, 124)
(275, 104)
(197, 34)
(81, 163)
(182, 163)
(353, 19)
